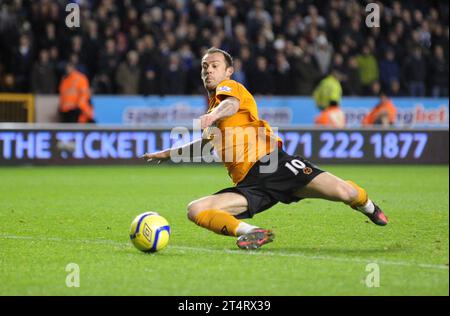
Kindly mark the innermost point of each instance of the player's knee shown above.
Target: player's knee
(194, 208)
(346, 193)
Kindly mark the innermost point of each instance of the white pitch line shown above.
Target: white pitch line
(238, 252)
(327, 258)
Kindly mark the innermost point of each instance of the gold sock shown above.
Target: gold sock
(362, 197)
(218, 221)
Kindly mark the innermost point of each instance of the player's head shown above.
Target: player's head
(217, 66)
(383, 95)
(70, 67)
(333, 103)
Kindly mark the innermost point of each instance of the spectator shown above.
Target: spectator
(415, 72)
(247, 62)
(186, 57)
(389, 69)
(313, 18)
(384, 113)
(278, 23)
(2, 71)
(239, 73)
(107, 64)
(175, 77)
(439, 73)
(148, 82)
(256, 18)
(340, 70)
(368, 68)
(262, 48)
(92, 45)
(292, 30)
(375, 89)
(334, 28)
(353, 83)
(328, 91)
(395, 89)
(57, 62)
(281, 75)
(353, 30)
(81, 67)
(43, 77)
(49, 39)
(23, 62)
(440, 38)
(306, 74)
(323, 53)
(8, 83)
(151, 63)
(74, 97)
(78, 49)
(261, 80)
(128, 73)
(240, 38)
(331, 116)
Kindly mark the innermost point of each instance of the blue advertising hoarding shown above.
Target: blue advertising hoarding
(278, 111)
(84, 144)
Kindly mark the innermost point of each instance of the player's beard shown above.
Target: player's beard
(211, 89)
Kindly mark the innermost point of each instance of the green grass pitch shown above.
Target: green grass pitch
(53, 216)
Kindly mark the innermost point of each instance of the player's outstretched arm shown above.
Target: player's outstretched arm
(228, 107)
(159, 156)
(188, 149)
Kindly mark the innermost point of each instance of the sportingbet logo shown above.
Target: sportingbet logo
(420, 115)
(415, 116)
(178, 112)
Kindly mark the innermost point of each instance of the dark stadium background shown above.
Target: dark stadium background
(276, 44)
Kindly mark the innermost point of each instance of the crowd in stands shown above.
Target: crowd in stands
(280, 47)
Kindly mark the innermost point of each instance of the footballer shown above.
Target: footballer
(232, 107)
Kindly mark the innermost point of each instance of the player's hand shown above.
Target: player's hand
(207, 120)
(159, 156)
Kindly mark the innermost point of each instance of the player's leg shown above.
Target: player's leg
(218, 213)
(329, 187)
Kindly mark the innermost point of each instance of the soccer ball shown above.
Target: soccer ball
(150, 232)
